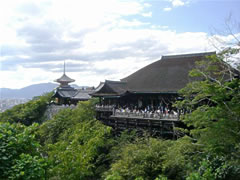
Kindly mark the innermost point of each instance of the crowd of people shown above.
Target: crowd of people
(160, 112)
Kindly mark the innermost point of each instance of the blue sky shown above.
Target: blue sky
(195, 15)
(107, 39)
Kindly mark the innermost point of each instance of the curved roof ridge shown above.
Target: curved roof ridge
(110, 81)
(188, 55)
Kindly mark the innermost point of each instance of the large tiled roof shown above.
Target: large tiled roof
(167, 75)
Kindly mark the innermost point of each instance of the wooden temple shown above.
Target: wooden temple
(68, 95)
(144, 100)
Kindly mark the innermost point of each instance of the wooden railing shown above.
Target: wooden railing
(137, 114)
(104, 108)
(156, 116)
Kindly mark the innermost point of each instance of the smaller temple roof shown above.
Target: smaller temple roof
(71, 93)
(82, 94)
(66, 93)
(110, 88)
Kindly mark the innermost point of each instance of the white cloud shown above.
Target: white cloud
(147, 5)
(24, 76)
(116, 53)
(222, 41)
(134, 23)
(167, 9)
(176, 3)
(149, 14)
(99, 39)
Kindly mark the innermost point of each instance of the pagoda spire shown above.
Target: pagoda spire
(64, 79)
(64, 67)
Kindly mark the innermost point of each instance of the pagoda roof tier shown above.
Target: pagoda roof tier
(64, 79)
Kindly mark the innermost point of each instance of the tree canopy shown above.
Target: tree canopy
(20, 157)
(27, 113)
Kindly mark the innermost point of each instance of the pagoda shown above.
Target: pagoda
(68, 95)
(64, 80)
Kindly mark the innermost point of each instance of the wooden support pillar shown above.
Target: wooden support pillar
(126, 123)
(162, 124)
(174, 134)
(136, 123)
(116, 124)
(150, 126)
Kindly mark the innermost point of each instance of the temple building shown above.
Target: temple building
(144, 99)
(68, 95)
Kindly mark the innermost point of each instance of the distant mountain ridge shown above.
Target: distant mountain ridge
(29, 91)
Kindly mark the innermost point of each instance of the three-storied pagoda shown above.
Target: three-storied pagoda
(66, 94)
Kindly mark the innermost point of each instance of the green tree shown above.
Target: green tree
(141, 159)
(28, 113)
(19, 153)
(181, 157)
(76, 143)
(76, 153)
(65, 119)
(50, 131)
(213, 112)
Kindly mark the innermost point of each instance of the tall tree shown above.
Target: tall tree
(213, 112)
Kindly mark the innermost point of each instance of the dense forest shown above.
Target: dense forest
(74, 145)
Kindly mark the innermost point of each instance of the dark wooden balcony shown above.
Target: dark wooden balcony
(155, 123)
(116, 113)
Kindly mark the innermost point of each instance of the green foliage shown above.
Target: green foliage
(76, 143)
(215, 109)
(161, 177)
(49, 132)
(213, 114)
(74, 156)
(19, 155)
(114, 176)
(118, 142)
(180, 158)
(197, 176)
(218, 167)
(150, 158)
(28, 167)
(28, 113)
(142, 159)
